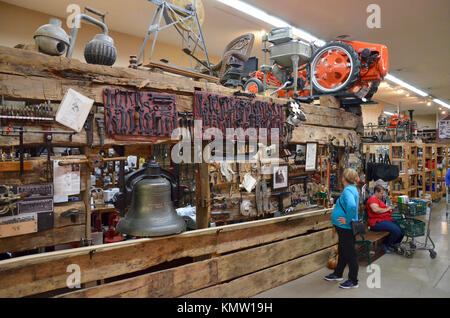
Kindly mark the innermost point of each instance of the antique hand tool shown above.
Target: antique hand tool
(93, 161)
(101, 130)
(116, 121)
(130, 112)
(149, 125)
(123, 121)
(89, 127)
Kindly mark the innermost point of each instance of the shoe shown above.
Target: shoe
(332, 277)
(348, 284)
(386, 249)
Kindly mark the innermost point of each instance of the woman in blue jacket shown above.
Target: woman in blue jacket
(346, 210)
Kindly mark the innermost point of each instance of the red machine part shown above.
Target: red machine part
(334, 64)
(332, 68)
(396, 120)
(111, 234)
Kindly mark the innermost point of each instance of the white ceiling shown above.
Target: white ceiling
(416, 32)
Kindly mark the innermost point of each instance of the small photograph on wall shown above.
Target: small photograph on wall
(280, 177)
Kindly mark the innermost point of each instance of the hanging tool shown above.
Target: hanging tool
(89, 127)
(101, 129)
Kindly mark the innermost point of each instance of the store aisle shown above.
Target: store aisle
(419, 276)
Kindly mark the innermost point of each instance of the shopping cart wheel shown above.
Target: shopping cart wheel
(400, 251)
(412, 245)
(409, 254)
(433, 254)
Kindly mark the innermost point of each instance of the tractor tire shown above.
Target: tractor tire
(254, 85)
(355, 67)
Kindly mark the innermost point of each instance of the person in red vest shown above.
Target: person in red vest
(380, 219)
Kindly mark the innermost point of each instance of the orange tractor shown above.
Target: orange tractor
(348, 69)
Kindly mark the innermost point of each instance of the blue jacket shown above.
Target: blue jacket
(348, 207)
(447, 178)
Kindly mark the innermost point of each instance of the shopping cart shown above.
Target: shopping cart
(413, 228)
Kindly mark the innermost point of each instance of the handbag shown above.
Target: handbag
(383, 170)
(358, 226)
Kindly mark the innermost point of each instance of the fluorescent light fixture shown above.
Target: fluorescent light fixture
(389, 113)
(270, 19)
(398, 81)
(438, 101)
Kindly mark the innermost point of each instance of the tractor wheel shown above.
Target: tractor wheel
(254, 85)
(336, 67)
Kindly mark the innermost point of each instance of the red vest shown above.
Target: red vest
(374, 217)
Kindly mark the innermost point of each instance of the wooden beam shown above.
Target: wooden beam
(253, 284)
(55, 236)
(110, 260)
(185, 279)
(309, 133)
(203, 195)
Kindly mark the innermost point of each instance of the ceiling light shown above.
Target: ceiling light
(270, 19)
(429, 104)
(398, 81)
(389, 113)
(407, 94)
(438, 101)
(400, 91)
(443, 112)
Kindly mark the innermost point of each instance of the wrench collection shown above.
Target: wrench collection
(136, 113)
(224, 112)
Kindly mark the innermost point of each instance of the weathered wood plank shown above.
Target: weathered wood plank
(181, 280)
(253, 284)
(248, 261)
(308, 133)
(34, 176)
(51, 237)
(47, 272)
(66, 221)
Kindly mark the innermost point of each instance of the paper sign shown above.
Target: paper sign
(73, 110)
(311, 155)
(66, 179)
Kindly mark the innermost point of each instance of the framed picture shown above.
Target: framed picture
(311, 156)
(280, 177)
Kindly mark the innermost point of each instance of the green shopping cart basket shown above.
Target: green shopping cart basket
(412, 227)
(414, 207)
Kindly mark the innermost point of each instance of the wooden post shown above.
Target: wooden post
(203, 193)
(87, 193)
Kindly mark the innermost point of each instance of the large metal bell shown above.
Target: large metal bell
(151, 212)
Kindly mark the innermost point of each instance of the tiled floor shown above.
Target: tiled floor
(419, 276)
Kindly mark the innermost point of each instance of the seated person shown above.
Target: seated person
(380, 219)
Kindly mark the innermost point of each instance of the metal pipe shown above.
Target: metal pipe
(281, 87)
(73, 35)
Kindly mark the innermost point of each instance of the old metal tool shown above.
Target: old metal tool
(89, 127)
(101, 130)
(130, 112)
(8, 200)
(93, 161)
